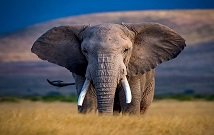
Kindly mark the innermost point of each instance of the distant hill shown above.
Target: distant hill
(196, 26)
(22, 73)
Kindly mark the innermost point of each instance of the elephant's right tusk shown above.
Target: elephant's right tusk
(83, 92)
(127, 90)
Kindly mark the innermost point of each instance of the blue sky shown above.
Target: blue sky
(18, 14)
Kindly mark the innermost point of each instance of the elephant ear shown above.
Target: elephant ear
(61, 46)
(153, 44)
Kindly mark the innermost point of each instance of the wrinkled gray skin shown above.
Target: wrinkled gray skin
(104, 54)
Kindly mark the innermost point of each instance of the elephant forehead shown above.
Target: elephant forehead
(105, 35)
(105, 32)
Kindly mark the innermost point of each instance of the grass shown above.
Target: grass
(165, 117)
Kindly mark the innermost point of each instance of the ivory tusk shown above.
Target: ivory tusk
(83, 92)
(127, 90)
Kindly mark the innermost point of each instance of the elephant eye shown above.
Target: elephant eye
(85, 51)
(126, 50)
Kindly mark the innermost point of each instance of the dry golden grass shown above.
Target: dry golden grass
(164, 118)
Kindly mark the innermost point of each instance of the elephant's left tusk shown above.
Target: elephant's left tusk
(83, 92)
(127, 90)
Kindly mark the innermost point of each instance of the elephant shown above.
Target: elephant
(112, 64)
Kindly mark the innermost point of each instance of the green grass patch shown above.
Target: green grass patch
(9, 99)
(185, 97)
(73, 98)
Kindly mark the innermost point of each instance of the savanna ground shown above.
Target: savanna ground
(165, 117)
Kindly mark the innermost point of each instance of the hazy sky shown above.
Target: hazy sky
(18, 14)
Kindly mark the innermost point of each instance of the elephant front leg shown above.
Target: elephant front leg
(147, 96)
(134, 106)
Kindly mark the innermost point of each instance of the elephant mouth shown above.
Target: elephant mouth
(87, 83)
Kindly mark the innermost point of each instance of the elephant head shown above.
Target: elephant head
(106, 54)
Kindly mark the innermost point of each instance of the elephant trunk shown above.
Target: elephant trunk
(105, 88)
(105, 82)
